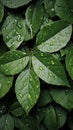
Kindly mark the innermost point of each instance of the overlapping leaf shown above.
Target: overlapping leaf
(15, 4)
(49, 69)
(1, 11)
(64, 9)
(57, 42)
(15, 31)
(6, 122)
(34, 17)
(13, 62)
(63, 97)
(27, 89)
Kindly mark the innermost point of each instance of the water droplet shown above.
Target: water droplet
(7, 37)
(15, 20)
(51, 43)
(16, 68)
(41, 68)
(30, 79)
(20, 95)
(4, 28)
(41, 54)
(29, 96)
(52, 9)
(8, 82)
(37, 86)
(19, 37)
(24, 53)
(42, 44)
(19, 25)
(50, 74)
(52, 62)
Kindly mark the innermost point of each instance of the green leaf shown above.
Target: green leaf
(45, 97)
(61, 116)
(33, 13)
(15, 4)
(5, 84)
(1, 11)
(16, 109)
(13, 62)
(49, 69)
(63, 97)
(15, 31)
(6, 122)
(49, 31)
(56, 42)
(69, 62)
(27, 89)
(64, 9)
(49, 6)
(50, 118)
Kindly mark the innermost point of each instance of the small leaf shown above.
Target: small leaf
(56, 42)
(1, 11)
(5, 84)
(50, 118)
(33, 13)
(13, 62)
(49, 69)
(14, 31)
(61, 116)
(69, 62)
(49, 6)
(16, 109)
(45, 97)
(6, 122)
(15, 4)
(27, 89)
(63, 97)
(49, 31)
(64, 9)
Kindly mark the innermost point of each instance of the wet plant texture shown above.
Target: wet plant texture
(36, 64)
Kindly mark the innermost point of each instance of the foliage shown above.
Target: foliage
(36, 64)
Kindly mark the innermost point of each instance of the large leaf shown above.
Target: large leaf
(1, 11)
(57, 42)
(64, 9)
(15, 4)
(63, 97)
(49, 6)
(15, 31)
(69, 61)
(49, 31)
(34, 17)
(13, 62)
(50, 118)
(6, 122)
(61, 116)
(5, 84)
(27, 89)
(49, 69)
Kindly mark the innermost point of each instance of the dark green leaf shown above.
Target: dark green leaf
(6, 122)
(45, 97)
(64, 97)
(69, 62)
(50, 118)
(13, 62)
(56, 42)
(34, 17)
(49, 31)
(61, 116)
(15, 31)
(15, 4)
(16, 109)
(1, 11)
(27, 89)
(5, 84)
(64, 9)
(49, 6)
(49, 69)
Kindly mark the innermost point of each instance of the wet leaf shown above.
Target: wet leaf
(1, 11)
(15, 4)
(27, 89)
(49, 69)
(13, 62)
